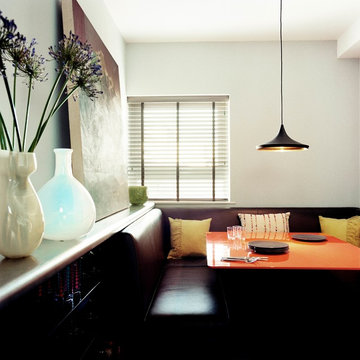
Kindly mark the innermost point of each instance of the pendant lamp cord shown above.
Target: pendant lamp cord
(281, 67)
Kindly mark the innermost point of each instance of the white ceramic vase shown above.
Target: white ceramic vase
(21, 215)
(69, 209)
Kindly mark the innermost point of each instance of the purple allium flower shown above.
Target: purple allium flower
(9, 38)
(79, 62)
(77, 65)
(29, 64)
(88, 75)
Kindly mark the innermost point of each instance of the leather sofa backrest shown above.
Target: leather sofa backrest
(302, 219)
(143, 240)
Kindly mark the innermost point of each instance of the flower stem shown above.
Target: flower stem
(27, 113)
(2, 138)
(14, 101)
(64, 100)
(14, 85)
(38, 131)
(3, 131)
(56, 108)
(51, 113)
(13, 111)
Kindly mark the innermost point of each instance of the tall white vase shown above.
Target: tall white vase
(21, 216)
(69, 209)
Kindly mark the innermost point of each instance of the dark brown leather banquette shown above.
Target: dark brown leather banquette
(159, 283)
(183, 290)
(182, 301)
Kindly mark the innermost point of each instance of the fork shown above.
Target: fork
(247, 259)
(255, 258)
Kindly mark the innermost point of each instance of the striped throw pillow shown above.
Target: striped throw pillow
(265, 222)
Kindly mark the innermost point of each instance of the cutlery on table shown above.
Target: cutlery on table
(248, 259)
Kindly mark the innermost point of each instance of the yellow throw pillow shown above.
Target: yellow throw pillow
(344, 229)
(353, 231)
(334, 227)
(188, 237)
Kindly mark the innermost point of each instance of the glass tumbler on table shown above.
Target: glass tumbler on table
(241, 236)
(237, 232)
(231, 233)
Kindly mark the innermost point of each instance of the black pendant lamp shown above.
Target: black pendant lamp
(282, 142)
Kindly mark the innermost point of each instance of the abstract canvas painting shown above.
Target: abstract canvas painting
(96, 127)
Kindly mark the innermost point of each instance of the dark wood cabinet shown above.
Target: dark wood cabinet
(69, 300)
(65, 317)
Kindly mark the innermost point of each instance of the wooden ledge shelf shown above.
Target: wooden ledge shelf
(20, 275)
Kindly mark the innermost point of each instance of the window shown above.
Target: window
(178, 147)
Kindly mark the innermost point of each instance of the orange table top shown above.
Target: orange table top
(332, 254)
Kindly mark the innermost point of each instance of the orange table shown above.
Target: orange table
(332, 254)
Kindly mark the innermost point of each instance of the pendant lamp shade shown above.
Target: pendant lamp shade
(282, 142)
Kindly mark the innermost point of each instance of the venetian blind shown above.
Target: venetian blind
(178, 147)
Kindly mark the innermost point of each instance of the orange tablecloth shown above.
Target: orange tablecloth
(332, 254)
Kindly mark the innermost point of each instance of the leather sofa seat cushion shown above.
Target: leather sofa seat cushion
(187, 262)
(188, 294)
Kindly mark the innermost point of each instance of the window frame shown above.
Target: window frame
(213, 99)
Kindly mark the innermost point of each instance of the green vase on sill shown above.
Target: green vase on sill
(138, 195)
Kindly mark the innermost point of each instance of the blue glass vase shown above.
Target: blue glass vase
(69, 210)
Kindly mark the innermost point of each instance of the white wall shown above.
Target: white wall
(42, 19)
(321, 97)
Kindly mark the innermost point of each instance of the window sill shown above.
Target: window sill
(193, 203)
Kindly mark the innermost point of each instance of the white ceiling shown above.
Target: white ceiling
(234, 20)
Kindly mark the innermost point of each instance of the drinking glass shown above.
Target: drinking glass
(241, 236)
(237, 231)
(242, 233)
(230, 232)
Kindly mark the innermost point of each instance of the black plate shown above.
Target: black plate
(268, 247)
(309, 237)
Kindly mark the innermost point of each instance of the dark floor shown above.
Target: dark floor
(273, 315)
